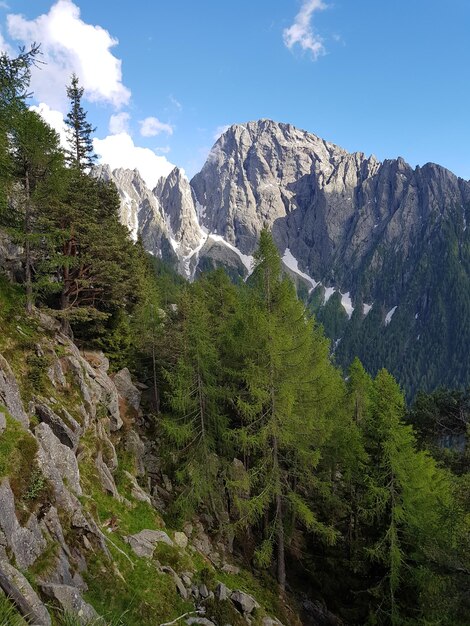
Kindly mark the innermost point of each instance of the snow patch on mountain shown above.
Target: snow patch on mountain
(346, 303)
(291, 262)
(388, 317)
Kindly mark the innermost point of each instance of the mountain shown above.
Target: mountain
(379, 250)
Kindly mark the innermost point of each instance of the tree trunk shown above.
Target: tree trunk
(27, 247)
(281, 558)
(155, 387)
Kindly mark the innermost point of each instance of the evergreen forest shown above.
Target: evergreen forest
(325, 481)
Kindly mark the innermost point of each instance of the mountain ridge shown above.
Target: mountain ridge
(354, 233)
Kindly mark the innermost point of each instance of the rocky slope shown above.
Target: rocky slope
(378, 249)
(82, 498)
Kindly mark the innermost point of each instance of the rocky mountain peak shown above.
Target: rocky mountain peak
(175, 195)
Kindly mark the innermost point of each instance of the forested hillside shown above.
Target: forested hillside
(291, 491)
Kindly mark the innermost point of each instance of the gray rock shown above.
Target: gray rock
(202, 621)
(222, 592)
(178, 582)
(26, 543)
(244, 602)
(97, 359)
(3, 422)
(228, 568)
(180, 539)
(127, 390)
(70, 600)
(270, 621)
(134, 444)
(31, 603)
(187, 580)
(200, 539)
(136, 490)
(105, 477)
(144, 542)
(69, 435)
(203, 591)
(10, 394)
(11, 256)
(176, 197)
(56, 458)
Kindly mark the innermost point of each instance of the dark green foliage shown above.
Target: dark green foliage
(80, 155)
(426, 343)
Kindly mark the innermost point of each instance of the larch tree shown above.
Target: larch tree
(407, 503)
(285, 393)
(197, 422)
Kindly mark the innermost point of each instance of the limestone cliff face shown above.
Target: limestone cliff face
(140, 210)
(332, 209)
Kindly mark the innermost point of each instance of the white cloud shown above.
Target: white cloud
(163, 149)
(120, 151)
(176, 103)
(70, 45)
(119, 123)
(301, 32)
(151, 126)
(5, 47)
(55, 119)
(220, 130)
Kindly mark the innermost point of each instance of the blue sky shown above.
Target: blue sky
(381, 77)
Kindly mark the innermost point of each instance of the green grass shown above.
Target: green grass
(18, 450)
(9, 616)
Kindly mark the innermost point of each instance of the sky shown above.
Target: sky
(163, 78)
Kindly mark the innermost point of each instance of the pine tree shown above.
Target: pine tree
(14, 83)
(80, 155)
(37, 163)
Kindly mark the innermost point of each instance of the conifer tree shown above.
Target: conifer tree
(407, 503)
(37, 163)
(80, 155)
(197, 423)
(14, 83)
(285, 394)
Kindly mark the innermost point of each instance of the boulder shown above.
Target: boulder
(202, 621)
(70, 600)
(10, 393)
(180, 539)
(178, 582)
(3, 422)
(127, 390)
(144, 542)
(222, 592)
(245, 603)
(270, 621)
